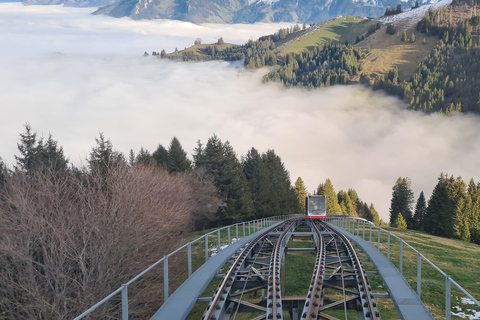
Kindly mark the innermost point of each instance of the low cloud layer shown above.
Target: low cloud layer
(83, 74)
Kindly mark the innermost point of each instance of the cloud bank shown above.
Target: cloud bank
(84, 74)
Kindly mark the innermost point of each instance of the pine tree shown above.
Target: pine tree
(345, 203)
(327, 190)
(177, 157)
(355, 200)
(35, 154)
(143, 157)
(412, 37)
(161, 157)
(461, 228)
(400, 223)
(440, 210)
(402, 201)
(404, 36)
(375, 215)
(221, 163)
(281, 197)
(28, 149)
(254, 171)
(103, 157)
(420, 209)
(301, 193)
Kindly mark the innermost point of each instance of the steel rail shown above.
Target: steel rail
(227, 282)
(274, 300)
(344, 302)
(312, 303)
(368, 303)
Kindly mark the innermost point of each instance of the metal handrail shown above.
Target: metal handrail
(258, 224)
(344, 222)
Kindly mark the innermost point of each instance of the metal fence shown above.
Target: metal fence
(221, 235)
(367, 230)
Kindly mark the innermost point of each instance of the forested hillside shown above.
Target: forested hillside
(446, 80)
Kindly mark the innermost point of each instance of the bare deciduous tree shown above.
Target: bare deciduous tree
(67, 241)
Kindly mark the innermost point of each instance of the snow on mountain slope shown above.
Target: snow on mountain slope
(409, 17)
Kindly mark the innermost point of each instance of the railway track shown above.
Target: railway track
(258, 267)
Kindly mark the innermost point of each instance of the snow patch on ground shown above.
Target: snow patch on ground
(213, 250)
(470, 314)
(409, 17)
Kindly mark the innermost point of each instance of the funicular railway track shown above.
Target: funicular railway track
(337, 267)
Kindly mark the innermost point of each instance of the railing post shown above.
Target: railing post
(388, 246)
(363, 230)
(165, 278)
(124, 302)
(358, 228)
(236, 231)
(379, 234)
(401, 256)
(419, 275)
(218, 241)
(370, 234)
(189, 259)
(229, 235)
(448, 307)
(244, 229)
(249, 230)
(206, 247)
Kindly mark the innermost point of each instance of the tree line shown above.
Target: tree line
(347, 203)
(66, 230)
(453, 210)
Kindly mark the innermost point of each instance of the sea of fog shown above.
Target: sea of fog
(75, 75)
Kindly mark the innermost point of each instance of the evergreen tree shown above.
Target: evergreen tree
(161, 157)
(177, 157)
(412, 37)
(103, 157)
(131, 158)
(461, 229)
(402, 201)
(440, 211)
(355, 200)
(254, 171)
(37, 153)
(281, 198)
(375, 215)
(400, 223)
(404, 36)
(345, 203)
(301, 193)
(143, 157)
(420, 209)
(220, 162)
(364, 211)
(327, 190)
(28, 149)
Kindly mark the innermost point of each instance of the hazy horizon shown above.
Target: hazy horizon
(75, 75)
